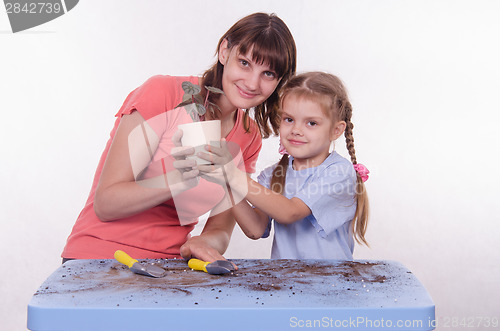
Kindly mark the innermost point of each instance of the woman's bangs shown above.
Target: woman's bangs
(269, 52)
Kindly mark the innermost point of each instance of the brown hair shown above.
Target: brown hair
(272, 43)
(329, 91)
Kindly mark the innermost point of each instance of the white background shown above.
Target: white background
(423, 77)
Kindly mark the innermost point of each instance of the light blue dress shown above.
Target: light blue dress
(329, 191)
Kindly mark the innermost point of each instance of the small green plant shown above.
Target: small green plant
(193, 102)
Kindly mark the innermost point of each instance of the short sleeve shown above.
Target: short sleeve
(331, 197)
(265, 176)
(252, 152)
(155, 96)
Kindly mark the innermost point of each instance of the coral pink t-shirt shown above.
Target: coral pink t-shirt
(156, 232)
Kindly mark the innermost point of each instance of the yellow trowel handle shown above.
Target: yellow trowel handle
(198, 264)
(124, 258)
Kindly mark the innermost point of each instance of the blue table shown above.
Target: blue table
(261, 295)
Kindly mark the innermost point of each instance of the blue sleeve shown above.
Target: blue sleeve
(331, 197)
(264, 179)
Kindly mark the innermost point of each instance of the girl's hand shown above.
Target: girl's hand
(224, 171)
(221, 165)
(218, 155)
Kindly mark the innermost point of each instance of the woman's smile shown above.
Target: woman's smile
(245, 93)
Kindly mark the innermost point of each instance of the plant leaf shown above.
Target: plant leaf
(201, 109)
(192, 111)
(215, 106)
(198, 98)
(194, 116)
(184, 103)
(190, 88)
(214, 89)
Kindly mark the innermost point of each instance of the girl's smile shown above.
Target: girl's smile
(296, 142)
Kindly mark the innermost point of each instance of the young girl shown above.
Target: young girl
(255, 57)
(317, 199)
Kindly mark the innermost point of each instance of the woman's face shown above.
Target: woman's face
(246, 84)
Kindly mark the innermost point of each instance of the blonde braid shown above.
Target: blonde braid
(360, 221)
(278, 179)
(349, 138)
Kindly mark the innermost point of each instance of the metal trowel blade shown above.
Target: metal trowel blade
(220, 267)
(149, 269)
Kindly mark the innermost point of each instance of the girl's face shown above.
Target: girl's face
(306, 132)
(246, 84)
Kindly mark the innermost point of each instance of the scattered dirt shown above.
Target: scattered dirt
(280, 276)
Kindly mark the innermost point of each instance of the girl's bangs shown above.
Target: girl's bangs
(324, 100)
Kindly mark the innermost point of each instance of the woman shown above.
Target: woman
(256, 56)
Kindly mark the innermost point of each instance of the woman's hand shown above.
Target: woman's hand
(197, 247)
(213, 241)
(185, 166)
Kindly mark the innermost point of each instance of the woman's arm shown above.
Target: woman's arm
(118, 195)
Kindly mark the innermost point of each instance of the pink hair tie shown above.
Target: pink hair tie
(282, 149)
(362, 171)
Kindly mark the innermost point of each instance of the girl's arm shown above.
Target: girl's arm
(252, 221)
(118, 195)
(275, 205)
